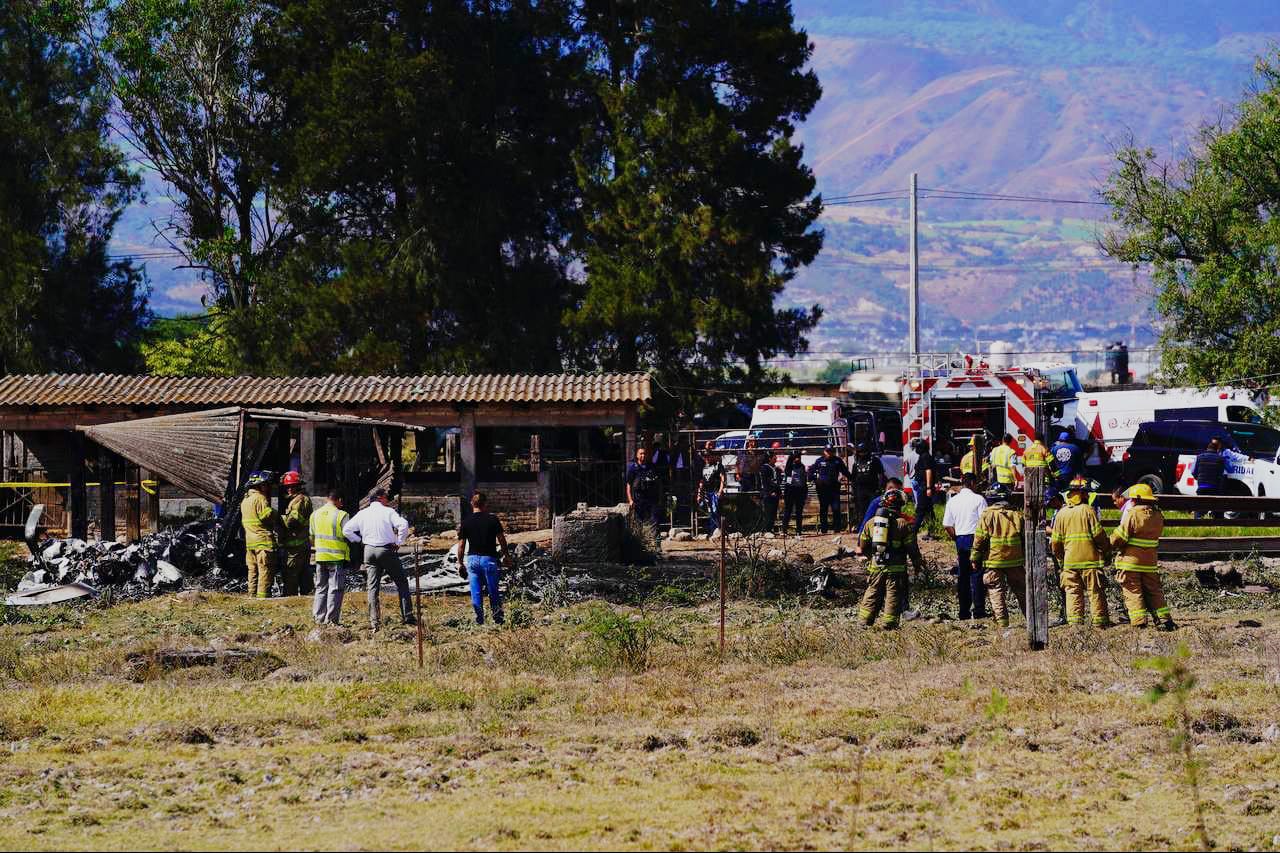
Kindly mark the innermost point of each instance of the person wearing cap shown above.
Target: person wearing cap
(1136, 543)
(1082, 549)
(1065, 461)
(888, 586)
(960, 520)
(382, 531)
(998, 554)
(825, 473)
(921, 471)
(261, 533)
(297, 530)
(868, 479)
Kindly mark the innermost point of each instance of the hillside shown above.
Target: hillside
(1008, 99)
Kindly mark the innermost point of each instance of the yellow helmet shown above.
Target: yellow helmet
(1078, 484)
(973, 441)
(1141, 491)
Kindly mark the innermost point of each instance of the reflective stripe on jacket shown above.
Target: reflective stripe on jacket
(997, 544)
(326, 534)
(260, 522)
(967, 465)
(1036, 456)
(1002, 459)
(297, 521)
(1078, 540)
(1137, 538)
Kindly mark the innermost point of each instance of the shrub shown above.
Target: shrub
(622, 641)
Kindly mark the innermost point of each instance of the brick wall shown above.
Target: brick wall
(517, 504)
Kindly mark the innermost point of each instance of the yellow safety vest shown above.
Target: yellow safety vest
(968, 466)
(259, 520)
(1036, 456)
(1002, 460)
(326, 534)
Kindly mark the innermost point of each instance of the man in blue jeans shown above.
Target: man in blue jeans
(478, 539)
(960, 519)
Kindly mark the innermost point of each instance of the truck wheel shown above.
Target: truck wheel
(1154, 481)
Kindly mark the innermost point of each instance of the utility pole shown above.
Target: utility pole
(913, 305)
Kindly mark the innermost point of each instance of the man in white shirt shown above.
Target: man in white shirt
(961, 522)
(382, 531)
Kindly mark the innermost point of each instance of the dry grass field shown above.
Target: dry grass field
(618, 725)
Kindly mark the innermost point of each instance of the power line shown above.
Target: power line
(972, 195)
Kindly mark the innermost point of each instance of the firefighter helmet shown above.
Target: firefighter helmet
(259, 478)
(1142, 492)
(292, 478)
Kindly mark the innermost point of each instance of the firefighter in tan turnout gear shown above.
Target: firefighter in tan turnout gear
(297, 533)
(998, 552)
(1136, 543)
(261, 533)
(1082, 549)
(889, 540)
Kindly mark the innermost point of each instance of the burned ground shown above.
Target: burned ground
(608, 719)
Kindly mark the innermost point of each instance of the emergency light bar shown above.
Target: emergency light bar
(772, 407)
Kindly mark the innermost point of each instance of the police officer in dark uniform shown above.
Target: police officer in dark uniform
(868, 479)
(825, 474)
(644, 489)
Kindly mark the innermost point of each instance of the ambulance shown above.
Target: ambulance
(1108, 420)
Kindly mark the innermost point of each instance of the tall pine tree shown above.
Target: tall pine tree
(66, 305)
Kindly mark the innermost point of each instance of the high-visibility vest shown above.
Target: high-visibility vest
(326, 534)
(260, 522)
(1036, 456)
(1002, 460)
(968, 466)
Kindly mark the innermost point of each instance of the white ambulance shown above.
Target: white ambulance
(807, 424)
(1109, 419)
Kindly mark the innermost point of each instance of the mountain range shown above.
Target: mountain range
(996, 97)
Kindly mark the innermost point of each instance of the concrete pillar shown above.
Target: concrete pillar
(631, 428)
(307, 455)
(584, 443)
(467, 455)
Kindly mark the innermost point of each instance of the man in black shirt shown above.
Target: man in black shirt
(868, 481)
(478, 539)
(1209, 470)
(711, 486)
(644, 489)
(826, 473)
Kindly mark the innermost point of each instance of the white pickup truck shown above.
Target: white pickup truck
(1260, 477)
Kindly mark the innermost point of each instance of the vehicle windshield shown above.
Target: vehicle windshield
(804, 438)
(732, 442)
(1062, 383)
(1256, 440)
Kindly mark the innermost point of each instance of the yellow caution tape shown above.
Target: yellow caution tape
(148, 486)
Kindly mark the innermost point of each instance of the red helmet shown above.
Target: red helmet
(293, 478)
(776, 445)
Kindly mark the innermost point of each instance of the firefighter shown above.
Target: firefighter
(1003, 459)
(969, 465)
(891, 541)
(261, 533)
(997, 551)
(1082, 549)
(1136, 543)
(297, 530)
(1036, 455)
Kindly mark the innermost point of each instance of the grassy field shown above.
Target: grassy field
(605, 725)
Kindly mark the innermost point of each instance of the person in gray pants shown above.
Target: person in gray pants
(382, 530)
(332, 554)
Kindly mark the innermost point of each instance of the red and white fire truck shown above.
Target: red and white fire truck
(952, 398)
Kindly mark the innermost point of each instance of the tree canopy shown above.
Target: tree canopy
(393, 186)
(66, 304)
(1207, 225)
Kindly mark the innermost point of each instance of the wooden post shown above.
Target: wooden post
(467, 456)
(1037, 556)
(307, 455)
(106, 496)
(723, 584)
(77, 497)
(631, 426)
(149, 502)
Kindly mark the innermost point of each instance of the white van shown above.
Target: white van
(807, 424)
(1110, 418)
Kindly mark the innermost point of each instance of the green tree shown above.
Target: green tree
(834, 372)
(1207, 226)
(192, 345)
(66, 304)
(697, 207)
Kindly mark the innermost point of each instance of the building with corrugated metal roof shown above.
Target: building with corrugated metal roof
(537, 444)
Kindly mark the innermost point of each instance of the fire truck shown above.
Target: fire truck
(950, 399)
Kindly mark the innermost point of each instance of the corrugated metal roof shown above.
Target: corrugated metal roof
(97, 389)
(195, 450)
